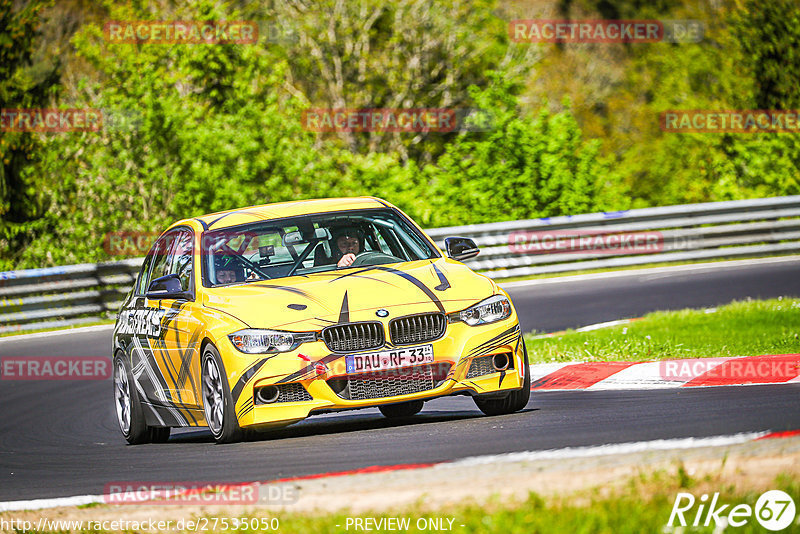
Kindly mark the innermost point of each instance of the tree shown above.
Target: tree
(395, 54)
(769, 33)
(524, 167)
(25, 82)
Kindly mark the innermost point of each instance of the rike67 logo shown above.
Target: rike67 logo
(774, 510)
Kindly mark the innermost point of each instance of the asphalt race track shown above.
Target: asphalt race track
(60, 438)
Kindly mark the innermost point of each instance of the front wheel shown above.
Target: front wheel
(515, 401)
(217, 401)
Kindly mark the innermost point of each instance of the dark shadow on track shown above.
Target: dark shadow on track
(338, 425)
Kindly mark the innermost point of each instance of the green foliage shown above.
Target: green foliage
(525, 166)
(673, 168)
(620, 90)
(770, 36)
(25, 82)
(390, 54)
(191, 129)
(201, 128)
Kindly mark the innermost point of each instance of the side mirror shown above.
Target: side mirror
(167, 287)
(461, 248)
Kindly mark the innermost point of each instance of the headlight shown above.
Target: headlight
(252, 341)
(491, 310)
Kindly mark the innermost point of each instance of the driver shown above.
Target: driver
(348, 243)
(228, 270)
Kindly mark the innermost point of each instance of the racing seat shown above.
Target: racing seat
(321, 256)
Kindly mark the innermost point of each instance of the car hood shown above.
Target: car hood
(318, 300)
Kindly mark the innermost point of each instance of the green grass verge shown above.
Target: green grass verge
(745, 328)
(643, 504)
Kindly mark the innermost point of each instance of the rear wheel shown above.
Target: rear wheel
(130, 414)
(403, 409)
(515, 401)
(217, 401)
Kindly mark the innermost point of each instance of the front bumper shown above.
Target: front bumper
(461, 366)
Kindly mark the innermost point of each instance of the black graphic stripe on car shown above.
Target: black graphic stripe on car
(443, 282)
(245, 378)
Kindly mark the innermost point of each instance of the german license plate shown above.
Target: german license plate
(389, 359)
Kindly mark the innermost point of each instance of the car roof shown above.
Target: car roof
(264, 212)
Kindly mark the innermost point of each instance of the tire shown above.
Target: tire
(130, 415)
(403, 409)
(515, 401)
(217, 401)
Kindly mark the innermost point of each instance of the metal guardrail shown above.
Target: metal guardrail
(64, 296)
(79, 294)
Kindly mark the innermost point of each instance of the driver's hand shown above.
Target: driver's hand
(347, 260)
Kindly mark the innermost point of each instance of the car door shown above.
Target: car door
(167, 341)
(159, 337)
(144, 318)
(181, 326)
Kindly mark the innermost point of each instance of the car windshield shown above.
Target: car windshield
(310, 244)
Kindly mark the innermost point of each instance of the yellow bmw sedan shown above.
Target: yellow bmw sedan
(260, 317)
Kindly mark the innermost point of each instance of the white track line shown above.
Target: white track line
(39, 504)
(607, 324)
(605, 450)
(78, 330)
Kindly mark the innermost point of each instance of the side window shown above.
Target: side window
(144, 279)
(162, 256)
(183, 259)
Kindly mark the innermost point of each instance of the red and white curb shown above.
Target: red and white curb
(749, 370)
(551, 454)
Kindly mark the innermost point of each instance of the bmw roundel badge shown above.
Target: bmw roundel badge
(382, 313)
